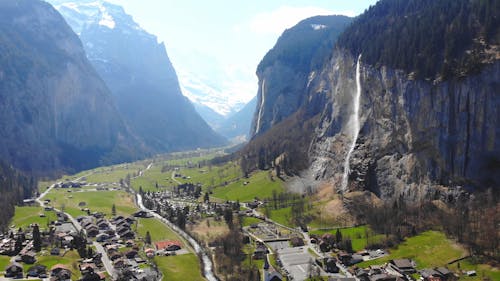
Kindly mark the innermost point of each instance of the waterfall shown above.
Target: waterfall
(262, 98)
(353, 126)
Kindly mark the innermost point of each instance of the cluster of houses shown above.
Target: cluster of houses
(58, 272)
(394, 270)
(103, 230)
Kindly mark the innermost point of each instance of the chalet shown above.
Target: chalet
(127, 235)
(60, 272)
(149, 252)
(131, 254)
(115, 255)
(330, 265)
(103, 225)
(28, 257)
(383, 277)
(403, 266)
(297, 242)
(168, 245)
(14, 270)
(142, 214)
(120, 263)
(92, 230)
(260, 252)
(55, 251)
(344, 257)
(101, 237)
(87, 267)
(129, 243)
(37, 271)
(446, 274)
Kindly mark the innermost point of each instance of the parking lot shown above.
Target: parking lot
(296, 262)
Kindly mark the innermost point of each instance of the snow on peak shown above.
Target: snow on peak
(85, 13)
(318, 26)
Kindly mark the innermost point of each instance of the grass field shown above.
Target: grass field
(259, 186)
(209, 229)
(70, 259)
(247, 221)
(179, 268)
(4, 262)
(96, 201)
(358, 235)
(24, 216)
(483, 270)
(282, 216)
(428, 249)
(156, 228)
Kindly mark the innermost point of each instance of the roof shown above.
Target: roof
(14, 264)
(403, 263)
(167, 243)
(59, 266)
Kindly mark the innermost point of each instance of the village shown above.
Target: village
(112, 243)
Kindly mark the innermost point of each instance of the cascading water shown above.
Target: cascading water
(353, 126)
(263, 96)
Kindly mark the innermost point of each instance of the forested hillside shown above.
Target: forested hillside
(14, 187)
(446, 38)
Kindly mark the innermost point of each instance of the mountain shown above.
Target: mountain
(405, 104)
(56, 113)
(286, 69)
(236, 127)
(140, 76)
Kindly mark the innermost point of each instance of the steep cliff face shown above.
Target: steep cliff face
(284, 71)
(414, 135)
(55, 111)
(140, 76)
(427, 82)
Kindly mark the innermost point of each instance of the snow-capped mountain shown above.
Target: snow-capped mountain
(138, 71)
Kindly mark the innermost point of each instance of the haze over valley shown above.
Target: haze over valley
(263, 140)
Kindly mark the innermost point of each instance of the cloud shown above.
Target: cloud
(275, 22)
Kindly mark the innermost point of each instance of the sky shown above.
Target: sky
(224, 40)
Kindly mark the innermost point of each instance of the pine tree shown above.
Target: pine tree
(147, 239)
(113, 210)
(37, 240)
(338, 236)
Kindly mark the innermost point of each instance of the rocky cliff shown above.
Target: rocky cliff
(387, 110)
(414, 134)
(55, 111)
(284, 72)
(140, 76)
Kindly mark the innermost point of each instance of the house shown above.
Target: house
(297, 242)
(14, 270)
(131, 254)
(60, 272)
(260, 252)
(87, 268)
(142, 214)
(128, 235)
(383, 277)
(149, 252)
(115, 256)
(37, 271)
(101, 237)
(403, 266)
(330, 265)
(55, 251)
(168, 245)
(103, 225)
(28, 257)
(446, 274)
(92, 230)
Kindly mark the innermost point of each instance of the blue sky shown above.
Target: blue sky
(232, 34)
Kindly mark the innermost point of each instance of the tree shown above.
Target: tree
(37, 240)
(147, 239)
(206, 198)
(228, 217)
(113, 210)
(338, 236)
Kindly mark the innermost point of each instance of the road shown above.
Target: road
(207, 262)
(105, 259)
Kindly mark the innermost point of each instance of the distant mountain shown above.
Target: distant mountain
(140, 75)
(237, 126)
(56, 114)
(213, 118)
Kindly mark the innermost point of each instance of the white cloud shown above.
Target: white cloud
(275, 22)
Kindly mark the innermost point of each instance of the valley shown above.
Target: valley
(185, 194)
